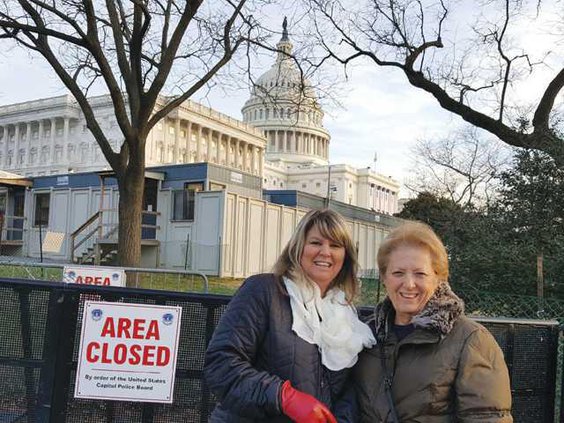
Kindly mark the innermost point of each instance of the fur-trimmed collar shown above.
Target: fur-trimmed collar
(439, 314)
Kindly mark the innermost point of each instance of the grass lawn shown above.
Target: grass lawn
(176, 282)
(164, 281)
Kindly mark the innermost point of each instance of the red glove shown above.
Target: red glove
(303, 408)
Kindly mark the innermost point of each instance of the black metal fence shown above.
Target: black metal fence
(39, 343)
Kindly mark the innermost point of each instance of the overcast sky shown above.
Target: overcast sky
(381, 112)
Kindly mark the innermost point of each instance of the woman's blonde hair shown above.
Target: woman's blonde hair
(332, 226)
(415, 234)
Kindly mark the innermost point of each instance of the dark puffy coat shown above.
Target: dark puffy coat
(253, 351)
(449, 369)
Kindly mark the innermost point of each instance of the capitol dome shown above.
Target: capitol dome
(283, 104)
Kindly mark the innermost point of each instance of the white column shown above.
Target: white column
(165, 156)
(175, 154)
(218, 148)
(227, 148)
(261, 162)
(40, 134)
(199, 144)
(254, 159)
(237, 154)
(189, 140)
(66, 158)
(210, 144)
(5, 141)
(16, 145)
(27, 156)
(243, 154)
(53, 130)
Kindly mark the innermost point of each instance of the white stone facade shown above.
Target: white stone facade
(281, 139)
(49, 136)
(358, 187)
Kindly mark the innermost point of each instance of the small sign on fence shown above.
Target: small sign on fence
(128, 352)
(88, 275)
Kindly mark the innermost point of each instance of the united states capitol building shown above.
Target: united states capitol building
(280, 139)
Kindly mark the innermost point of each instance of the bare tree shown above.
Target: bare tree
(463, 167)
(138, 50)
(465, 54)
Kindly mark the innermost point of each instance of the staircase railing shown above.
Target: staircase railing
(82, 228)
(92, 230)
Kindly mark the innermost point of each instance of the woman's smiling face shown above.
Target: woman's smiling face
(322, 259)
(410, 281)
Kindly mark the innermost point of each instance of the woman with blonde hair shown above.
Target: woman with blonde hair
(431, 363)
(284, 348)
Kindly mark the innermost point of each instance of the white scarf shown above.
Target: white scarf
(330, 323)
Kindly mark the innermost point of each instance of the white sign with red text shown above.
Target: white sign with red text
(128, 352)
(88, 275)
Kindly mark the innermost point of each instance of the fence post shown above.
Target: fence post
(49, 356)
(57, 355)
(560, 336)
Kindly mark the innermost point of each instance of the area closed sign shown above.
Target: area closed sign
(90, 275)
(128, 352)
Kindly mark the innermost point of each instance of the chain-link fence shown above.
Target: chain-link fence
(492, 304)
(40, 338)
(481, 303)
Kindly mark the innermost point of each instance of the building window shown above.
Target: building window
(184, 201)
(304, 185)
(32, 155)
(41, 216)
(216, 187)
(20, 157)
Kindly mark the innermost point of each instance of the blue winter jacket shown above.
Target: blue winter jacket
(253, 351)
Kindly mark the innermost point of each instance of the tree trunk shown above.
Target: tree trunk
(131, 187)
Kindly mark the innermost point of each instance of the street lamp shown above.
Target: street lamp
(328, 198)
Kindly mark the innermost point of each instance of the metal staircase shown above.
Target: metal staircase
(96, 240)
